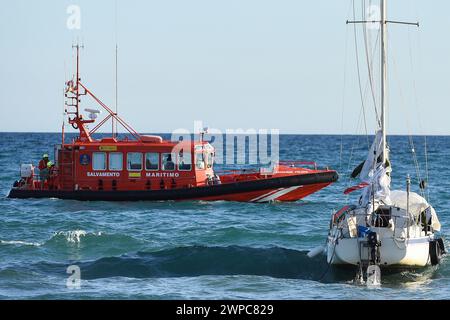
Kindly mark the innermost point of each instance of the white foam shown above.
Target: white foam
(19, 242)
(74, 236)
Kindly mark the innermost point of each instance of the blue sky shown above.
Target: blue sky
(232, 64)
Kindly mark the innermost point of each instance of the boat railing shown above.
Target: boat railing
(400, 224)
(296, 164)
(263, 171)
(37, 179)
(236, 171)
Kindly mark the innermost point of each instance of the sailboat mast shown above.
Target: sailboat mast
(383, 76)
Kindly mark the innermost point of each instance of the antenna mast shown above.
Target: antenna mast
(383, 76)
(73, 89)
(116, 73)
(116, 133)
(77, 81)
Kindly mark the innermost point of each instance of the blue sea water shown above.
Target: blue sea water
(203, 250)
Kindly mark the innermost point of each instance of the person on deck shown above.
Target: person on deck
(43, 169)
(169, 164)
(51, 170)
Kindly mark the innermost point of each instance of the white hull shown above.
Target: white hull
(413, 252)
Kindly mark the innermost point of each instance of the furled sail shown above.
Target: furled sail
(376, 174)
(374, 158)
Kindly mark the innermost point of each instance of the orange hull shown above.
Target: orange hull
(287, 188)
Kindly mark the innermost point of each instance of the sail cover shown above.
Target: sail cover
(417, 205)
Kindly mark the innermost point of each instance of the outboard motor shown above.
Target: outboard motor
(373, 239)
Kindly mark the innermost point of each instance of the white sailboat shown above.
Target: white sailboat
(386, 227)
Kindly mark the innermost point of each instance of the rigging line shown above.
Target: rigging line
(417, 104)
(357, 131)
(367, 83)
(408, 125)
(372, 84)
(341, 151)
(416, 98)
(348, 182)
(343, 98)
(426, 145)
(359, 75)
(410, 138)
(357, 142)
(369, 61)
(426, 169)
(360, 119)
(371, 68)
(354, 144)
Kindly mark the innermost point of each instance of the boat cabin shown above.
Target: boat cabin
(148, 164)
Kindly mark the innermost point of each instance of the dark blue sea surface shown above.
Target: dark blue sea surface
(204, 250)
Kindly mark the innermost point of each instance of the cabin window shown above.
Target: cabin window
(168, 163)
(200, 161)
(184, 161)
(152, 161)
(115, 161)
(134, 161)
(99, 161)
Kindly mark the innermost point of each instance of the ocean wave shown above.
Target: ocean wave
(194, 261)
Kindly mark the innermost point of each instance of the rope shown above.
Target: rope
(369, 62)
(343, 99)
(359, 74)
(426, 168)
(362, 92)
(328, 263)
(417, 103)
(410, 138)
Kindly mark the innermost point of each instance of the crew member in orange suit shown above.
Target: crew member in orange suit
(43, 169)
